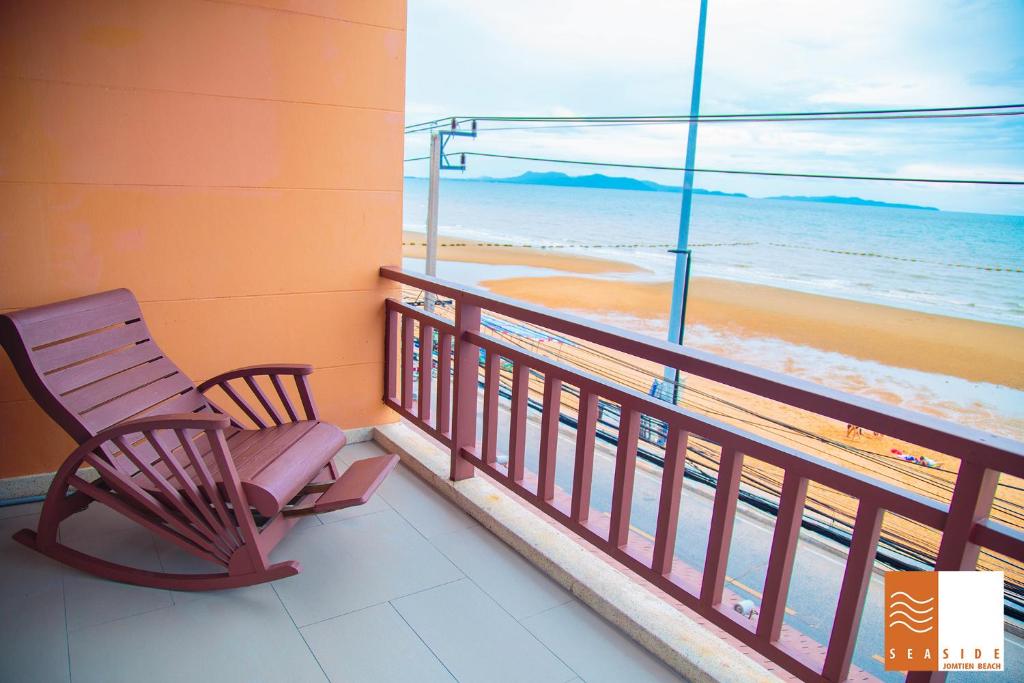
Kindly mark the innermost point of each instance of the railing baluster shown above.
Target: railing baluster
(625, 471)
(517, 427)
(390, 356)
(492, 368)
(971, 503)
(549, 437)
(583, 472)
(783, 552)
(426, 370)
(407, 360)
(444, 383)
(723, 516)
(467, 361)
(859, 563)
(668, 505)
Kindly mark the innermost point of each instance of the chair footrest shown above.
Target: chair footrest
(353, 487)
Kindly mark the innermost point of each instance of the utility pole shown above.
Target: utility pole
(438, 163)
(680, 282)
(435, 178)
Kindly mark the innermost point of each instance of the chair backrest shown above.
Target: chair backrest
(92, 363)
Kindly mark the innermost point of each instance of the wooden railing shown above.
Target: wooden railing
(964, 522)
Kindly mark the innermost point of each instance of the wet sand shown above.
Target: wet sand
(976, 351)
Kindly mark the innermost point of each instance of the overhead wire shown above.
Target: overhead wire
(931, 112)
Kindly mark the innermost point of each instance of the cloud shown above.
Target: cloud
(602, 57)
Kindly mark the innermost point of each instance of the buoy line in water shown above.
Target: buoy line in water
(705, 245)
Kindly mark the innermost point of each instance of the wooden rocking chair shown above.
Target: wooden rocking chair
(169, 458)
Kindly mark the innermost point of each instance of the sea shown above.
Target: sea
(963, 265)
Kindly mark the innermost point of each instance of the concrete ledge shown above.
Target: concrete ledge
(686, 645)
(33, 485)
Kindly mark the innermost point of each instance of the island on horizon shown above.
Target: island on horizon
(606, 182)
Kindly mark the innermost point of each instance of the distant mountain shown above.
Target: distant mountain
(600, 181)
(856, 201)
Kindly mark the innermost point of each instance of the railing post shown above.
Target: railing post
(467, 361)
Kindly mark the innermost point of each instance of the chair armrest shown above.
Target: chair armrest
(297, 369)
(298, 372)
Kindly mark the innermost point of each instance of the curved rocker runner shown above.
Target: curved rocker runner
(157, 449)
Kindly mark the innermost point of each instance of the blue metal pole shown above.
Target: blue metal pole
(675, 324)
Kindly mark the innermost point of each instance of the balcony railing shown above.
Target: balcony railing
(449, 413)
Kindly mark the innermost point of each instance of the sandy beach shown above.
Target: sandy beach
(975, 351)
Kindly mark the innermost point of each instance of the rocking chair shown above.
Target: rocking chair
(156, 449)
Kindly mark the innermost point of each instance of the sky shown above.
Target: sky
(601, 57)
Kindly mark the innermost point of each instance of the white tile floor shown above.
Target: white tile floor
(406, 588)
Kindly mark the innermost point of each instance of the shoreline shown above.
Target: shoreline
(972, 350)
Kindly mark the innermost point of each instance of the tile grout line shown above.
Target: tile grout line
(418, 636)
(377, 604)
(67, 631)
(576, 674)
(299, 631)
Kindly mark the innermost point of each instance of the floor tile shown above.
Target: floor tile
(20, 510)
(33, 640)
(356, 563)
(240, 636)
(476, 639)
(24, 571)
(420, 505)
(374, 644)
(595, 649)
(95, 520)
(92, 600)
(501, 572)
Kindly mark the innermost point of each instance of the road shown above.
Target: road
(814, 590)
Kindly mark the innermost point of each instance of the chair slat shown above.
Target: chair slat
(426, 370)
(78, 322)
(286, 400)
(118, 385)
(188, 486)
(244, 405)
(723, 517)
(549, 437)
(77, 376)
(258, 392)
(517, 427)
(625, 471)
(83, 348)
(668, 505)
(783, 552)
(208, 484)
(137, 401)
(492, 367)
(583, 471)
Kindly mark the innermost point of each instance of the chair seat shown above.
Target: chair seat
(275, 463)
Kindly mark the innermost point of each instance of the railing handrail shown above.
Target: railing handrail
(964, 443)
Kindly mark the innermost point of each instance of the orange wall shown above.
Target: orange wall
(238, 165)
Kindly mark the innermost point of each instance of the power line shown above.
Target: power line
(927, 112)
(955, 181)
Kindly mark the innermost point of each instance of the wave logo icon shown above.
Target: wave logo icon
(915, 614)
(911, 620)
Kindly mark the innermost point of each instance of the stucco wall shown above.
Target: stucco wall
(238, 165)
